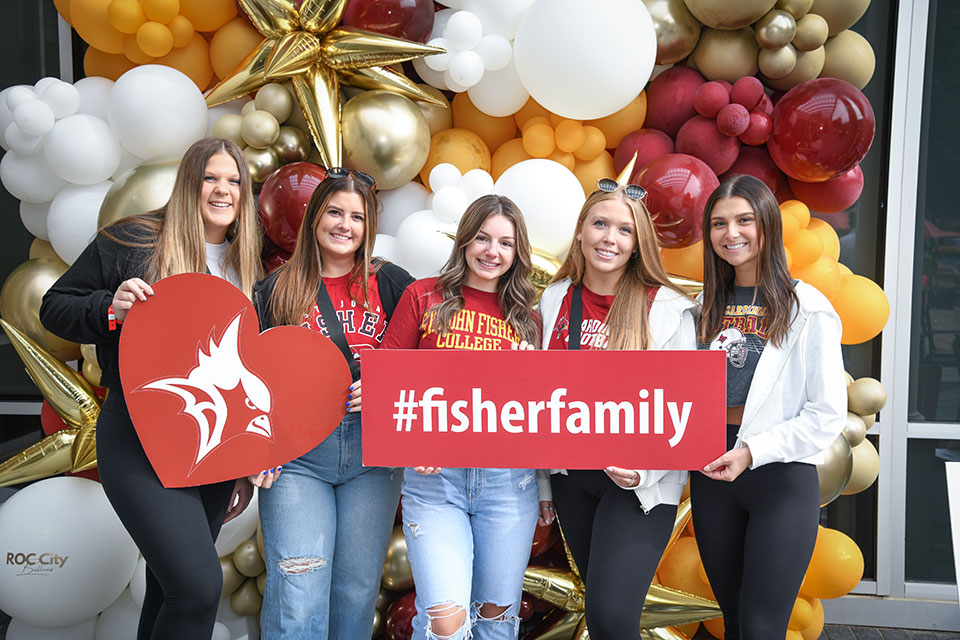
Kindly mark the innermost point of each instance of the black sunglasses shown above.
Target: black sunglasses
(342, 172)
(632, 191)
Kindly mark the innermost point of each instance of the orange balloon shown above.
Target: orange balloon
(154, 39)
(182, 30)
(105, 65)
(126, 15)
(864, 310)
(844, 269)
(529, 110)
(688, 630)
(208, 15)
(815, 628)
(801, 616)
(570, 135)
(593, 145)
(789, 256)
(510, 153)
(714, 626)
(231, 44)
(161, 10)
(564, 158)
(836, 566)
(535, 120)
(91, 22)
(63, 8)
(790, 226)
(799, 211)
(133, 52)
(539, 140)
(831, 242)
(793, 635)
(686, 262)
(493, 131)
(461, 148)
(556, 119)
(589, 171)
(617, 126)
(824, 274)
(679, 569)
(192, 61)
(805, 248)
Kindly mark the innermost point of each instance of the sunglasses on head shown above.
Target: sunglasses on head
(342, 172)
(632, 191)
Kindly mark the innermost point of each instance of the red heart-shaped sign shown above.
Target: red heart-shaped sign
(214, 399)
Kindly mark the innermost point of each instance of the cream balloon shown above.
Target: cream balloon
(849, 57)
(677, 30)
(139, 190)
(840, 14)
(866, 396)
(796, 8)
(726, 55)
(228, 126)
(834, 472)
(240, 627)
(866, 468)
(812, 32)
(138, 583)
(855, 430)
(809, 64)
(726, 15)
(276, 100)
(777, 63)
(259, 129)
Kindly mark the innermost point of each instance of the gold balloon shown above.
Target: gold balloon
(777, 63)
(386, 136)
(866, 468)
(88, 352)
(439, 116)
(247, 559)
(665, 607)
(377, 623)
(83, 453)
(834, 471)
(228, 126)
(259, 129)
(727, 15)
(20, 299)
(139, 190)
(809, 64)
(545, 266)
(812, 32)
(677, 29)
(276, 100)
(42, 249)
(232, 579)
(866, 396)
(92, 372)
(262, 582)
(869, 420)
(726, 55)
(796, 8)
(560, 625)
(855, 430)
(246, 600)
(384, 598)
(776, 29)
(840, 14)
(292, 145)
(848, 56)
(662, 633)
(49, 457)
(558, 587)
(397, 574)
(262, 162)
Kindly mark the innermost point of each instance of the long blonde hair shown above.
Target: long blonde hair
(629, 316)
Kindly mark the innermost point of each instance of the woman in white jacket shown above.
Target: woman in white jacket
(612, 292)
(756, 508)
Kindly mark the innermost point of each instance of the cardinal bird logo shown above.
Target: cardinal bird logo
(220, 370)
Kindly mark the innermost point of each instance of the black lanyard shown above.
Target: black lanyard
(335, 330)
(576, 319)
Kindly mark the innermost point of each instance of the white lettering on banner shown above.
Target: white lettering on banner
(431, 414)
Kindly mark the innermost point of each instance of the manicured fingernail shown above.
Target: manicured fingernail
(271, 470)
(347, 404)
(349, 396)
(264, 473)
(280, 467)
(350, 387)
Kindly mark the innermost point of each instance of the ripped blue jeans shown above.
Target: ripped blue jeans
(326, 526)
(468, 534)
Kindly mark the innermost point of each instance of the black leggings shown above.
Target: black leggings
(756, 536)
(615, 545)
(174, 528)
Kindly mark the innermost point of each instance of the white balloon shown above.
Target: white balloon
(550, 197)
(156, 112)
(500, 17)
(29, 177)
(441, 18)
(495, 51)
(454, 4)
(385, 247)
(239, 529)
(120, 620)
(43, 83)
(220, 632)
(440, 61)
(138, 583)
(585, 60)
(18, 94)
(20, 142)
(466, 68)
(34, 218)
(127, 161)
(398, 204)
(62, 97)
(21, 630)
(6, 113)
(463, 30)
(82, 149)
(83, 556)
(422, 245)
(449, 203)
(239, 627)
(475, 183)
(428, 75)
(443, 175)
(34, 117)
(94, 95)
(452, 84)
(499, 93)
(72, 219)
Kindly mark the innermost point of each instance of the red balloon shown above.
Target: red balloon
(700, 138)
(648, 144)
(821, 129)
(283, 201)
(677, 187)
(274, 259)
(398, 623)
(410, 19)
(756, 162)
(50, 421)
(544, 538)
(831, 196)
(526, 607)
(670, 99)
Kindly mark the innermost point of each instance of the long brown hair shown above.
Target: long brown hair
(176, 234)
(515, 292)
(774, 283)
(629, 316)
(299, 279)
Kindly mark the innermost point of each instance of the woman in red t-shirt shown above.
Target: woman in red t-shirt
(327, 520)
(612, 292)
(469, 531)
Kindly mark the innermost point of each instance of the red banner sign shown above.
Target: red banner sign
(544, 409)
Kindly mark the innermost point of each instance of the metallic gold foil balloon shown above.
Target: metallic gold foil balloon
(292, 145)
(83, 453)
(677, 29)
(397, 575)
(262, 162)
(665, 607)
(866, 396)
(662, 633)
(386, 136)
(439, 116)
(558, 587)
(139, 190)
(232, 579)
(834, 472)
(796, 8)
(49, 457)
(228, 126)
(855, 430)
(812, 32)
(776, 29)
(20, 299)
(726, 55)
(247, 559)
(560, 625)
(377, 622)
(809, 64)
(728, 15)
(42, 249)
(384, 598)
(246, 600)
(849, 57)
(88, 352)
(777, 63)
(92, 372)
(840, 14)
(545, 266)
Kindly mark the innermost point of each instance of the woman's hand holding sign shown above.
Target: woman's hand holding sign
(266, 479)
(626, 478)
(353, 397)
(127, 293)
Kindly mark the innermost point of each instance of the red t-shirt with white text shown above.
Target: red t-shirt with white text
(363, 328)
(594, 331)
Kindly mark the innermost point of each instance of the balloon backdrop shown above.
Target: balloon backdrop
(283, 201)
(678, 186)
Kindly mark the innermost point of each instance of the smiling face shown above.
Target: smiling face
(340, 226)
(219, 196)
(735, 237)
(607, 238)
(491, 253)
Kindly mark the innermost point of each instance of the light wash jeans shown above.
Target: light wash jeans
(326, 526)
(468, 535)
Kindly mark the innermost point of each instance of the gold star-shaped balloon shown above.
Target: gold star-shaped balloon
(303, 45)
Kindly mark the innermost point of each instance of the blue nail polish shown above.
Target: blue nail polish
(280, 467)
(271, 470)
(347, 404)
(349, 396)
(350, 387)
(264, 473)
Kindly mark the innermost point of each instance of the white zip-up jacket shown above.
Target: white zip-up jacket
(797, 402)
(672, 327)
